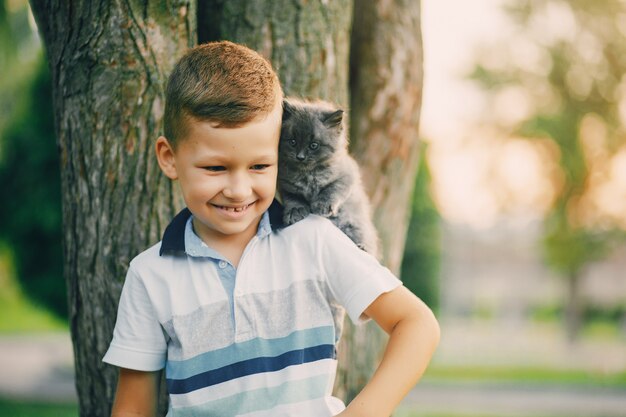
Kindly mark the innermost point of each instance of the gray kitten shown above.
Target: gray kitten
(317, 175)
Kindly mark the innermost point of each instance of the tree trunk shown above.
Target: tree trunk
(109, 62)
(306, 41)
(308, 44)
(385, 100)
(573, 307)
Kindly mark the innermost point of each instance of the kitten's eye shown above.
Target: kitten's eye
(314, 145)
(293, 142)
(214, 168)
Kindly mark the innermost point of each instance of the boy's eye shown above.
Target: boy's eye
(259, 167)
(293, 142)
(314, 145)
(214, 168)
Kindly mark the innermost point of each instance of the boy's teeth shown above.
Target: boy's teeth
(235, 209)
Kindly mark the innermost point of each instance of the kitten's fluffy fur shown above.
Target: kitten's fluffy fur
(317, 175)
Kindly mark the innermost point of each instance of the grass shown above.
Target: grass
(602, 329)
(17, 313)
(40, 409)
(409, 413)
(529, 375)
(15, 408)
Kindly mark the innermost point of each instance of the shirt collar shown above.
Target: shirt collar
(194, 246)
(176, 239)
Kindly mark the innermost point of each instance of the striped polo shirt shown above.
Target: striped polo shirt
(256, 340)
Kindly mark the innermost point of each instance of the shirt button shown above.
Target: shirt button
(223, 264)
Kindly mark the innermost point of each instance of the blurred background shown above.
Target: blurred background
(518, 232)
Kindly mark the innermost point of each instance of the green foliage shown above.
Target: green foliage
(421, 260)
(611, 315)
(30, 213)
(568, 249)
(17, 39)
(15, 408)
(562, 128)
(601, 313)
(7, 46)
(17, 313)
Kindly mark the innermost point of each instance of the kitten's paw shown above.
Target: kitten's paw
(295, 214)
(324, 209)
(362, 246)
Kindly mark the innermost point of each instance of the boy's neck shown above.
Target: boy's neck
(229, 246)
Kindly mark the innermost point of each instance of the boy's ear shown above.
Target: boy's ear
(332, 119)
(165, 157)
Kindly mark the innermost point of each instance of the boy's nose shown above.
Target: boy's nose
(238, 188)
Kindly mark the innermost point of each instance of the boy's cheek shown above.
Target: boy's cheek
(273, 181)
(271, 186)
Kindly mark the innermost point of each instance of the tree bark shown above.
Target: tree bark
(109, 62)
(386, 78)
(307, 42)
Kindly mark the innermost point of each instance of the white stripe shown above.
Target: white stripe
(256, 381)
(320, 407)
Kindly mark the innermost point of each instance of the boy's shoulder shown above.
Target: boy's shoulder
(156, 270)
(312, 232)
(312, 221)
(310, 225)
(147, 257)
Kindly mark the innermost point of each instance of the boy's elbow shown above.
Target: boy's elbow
(428, 324)
(401, 311)
(436, 331)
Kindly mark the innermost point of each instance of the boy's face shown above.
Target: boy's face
(227, 175)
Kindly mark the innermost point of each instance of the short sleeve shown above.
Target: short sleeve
(138, 339)
(355, 277)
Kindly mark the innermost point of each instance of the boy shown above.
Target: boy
(237, 308)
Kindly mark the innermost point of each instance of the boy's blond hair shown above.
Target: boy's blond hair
(220, 82)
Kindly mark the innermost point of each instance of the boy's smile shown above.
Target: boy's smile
(227, 175)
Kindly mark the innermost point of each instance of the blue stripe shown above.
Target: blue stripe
(250, 349)
(261, 399)
(250, 367)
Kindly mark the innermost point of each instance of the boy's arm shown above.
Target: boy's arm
(137, 393)
(414, 335)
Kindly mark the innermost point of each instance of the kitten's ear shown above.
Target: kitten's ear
(288, 110)
(332, 119)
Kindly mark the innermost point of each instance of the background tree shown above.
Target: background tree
(386, 78)
(109, 63)
(421, 260)
(566, 59)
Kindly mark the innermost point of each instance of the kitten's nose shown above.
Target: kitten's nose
(301, 156)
